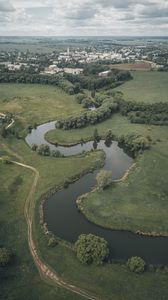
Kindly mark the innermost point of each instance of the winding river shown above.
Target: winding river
(64, 219)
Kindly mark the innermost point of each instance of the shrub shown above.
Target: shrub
(5, 256)
(56, 153)
(136, 264)
(134, 143)
(96, 135)
(91, 249)
(34, 147)
(103, 179)
(108, 138)
(52, 242)
(44, 150)
(5, 160)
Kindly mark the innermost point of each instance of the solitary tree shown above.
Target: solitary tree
(103, 178)
(96, 135)
(108, 138)
(91, 249)
(34, 147)
(93, 93)
(136, 264)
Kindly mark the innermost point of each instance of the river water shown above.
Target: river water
(64, 219)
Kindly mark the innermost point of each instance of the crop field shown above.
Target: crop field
(148, 87)
(132, 66)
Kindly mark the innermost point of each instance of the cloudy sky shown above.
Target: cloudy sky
(83, 17)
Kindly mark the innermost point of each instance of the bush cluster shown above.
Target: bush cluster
(154, 114)
(134, 143)
(44, 150)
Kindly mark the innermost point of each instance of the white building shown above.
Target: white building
(15, 67)
(105, 73)
(74, 71)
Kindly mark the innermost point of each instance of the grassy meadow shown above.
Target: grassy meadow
(139, 203)
(107, 281)
(21, 278)
(118, 124)
(148, 87)
(36, 103)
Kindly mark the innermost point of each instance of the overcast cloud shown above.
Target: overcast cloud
(83, 17)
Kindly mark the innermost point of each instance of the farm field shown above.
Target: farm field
(148, 87)
(132, 66)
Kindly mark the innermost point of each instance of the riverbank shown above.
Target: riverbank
(109, 281)
(60, 137)
(135, 204)
(50, 138)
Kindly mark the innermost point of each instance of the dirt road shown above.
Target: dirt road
(45, 271)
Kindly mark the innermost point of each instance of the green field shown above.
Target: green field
(21, 278)
(108, 281)
(118, 124)
(36, 103)
(140, 203)
(148, 87)
(116, 207)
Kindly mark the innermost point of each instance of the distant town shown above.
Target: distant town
(73, 59)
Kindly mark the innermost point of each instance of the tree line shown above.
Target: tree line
(91, 82)
(89, 118)
(57, 80)
(142, 113)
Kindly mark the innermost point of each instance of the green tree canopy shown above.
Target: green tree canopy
(136, 264)
(96, 135)
(91, 249)
(108, 138)
(103, 178)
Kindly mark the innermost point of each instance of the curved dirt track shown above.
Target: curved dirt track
(45, 271)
